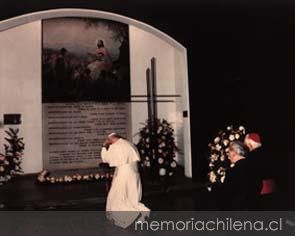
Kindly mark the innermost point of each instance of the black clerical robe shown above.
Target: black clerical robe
(241, 189)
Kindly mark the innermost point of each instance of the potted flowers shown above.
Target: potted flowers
(157, 149)
(10, 161)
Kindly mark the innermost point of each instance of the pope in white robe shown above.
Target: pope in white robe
(123, 202)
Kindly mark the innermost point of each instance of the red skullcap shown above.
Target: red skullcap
(255, 137)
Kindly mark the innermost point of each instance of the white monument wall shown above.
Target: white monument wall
(20, 87)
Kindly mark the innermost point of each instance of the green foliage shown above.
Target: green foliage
(10, 161)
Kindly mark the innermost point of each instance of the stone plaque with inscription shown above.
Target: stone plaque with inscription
(74, 132)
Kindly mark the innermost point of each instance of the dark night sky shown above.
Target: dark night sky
(239, 54)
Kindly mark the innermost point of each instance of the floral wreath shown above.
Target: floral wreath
(218, 154)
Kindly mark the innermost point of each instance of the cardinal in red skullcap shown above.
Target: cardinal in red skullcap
(253, 141)
(256, 155)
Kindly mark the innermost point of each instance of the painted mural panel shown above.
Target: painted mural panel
(85, 59)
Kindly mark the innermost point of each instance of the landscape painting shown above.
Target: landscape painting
(85, 59)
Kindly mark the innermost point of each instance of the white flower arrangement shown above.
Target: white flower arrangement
(158, 154)
(44, 177)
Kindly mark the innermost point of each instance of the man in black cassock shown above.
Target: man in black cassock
(263, 166)
(241, 188)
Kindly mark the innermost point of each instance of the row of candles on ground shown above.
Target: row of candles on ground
(44, 177)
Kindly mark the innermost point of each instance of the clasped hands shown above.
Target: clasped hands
(106, 143)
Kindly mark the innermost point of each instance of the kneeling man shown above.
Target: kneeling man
(123, 201)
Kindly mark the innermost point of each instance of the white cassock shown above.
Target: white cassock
(123, 201)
